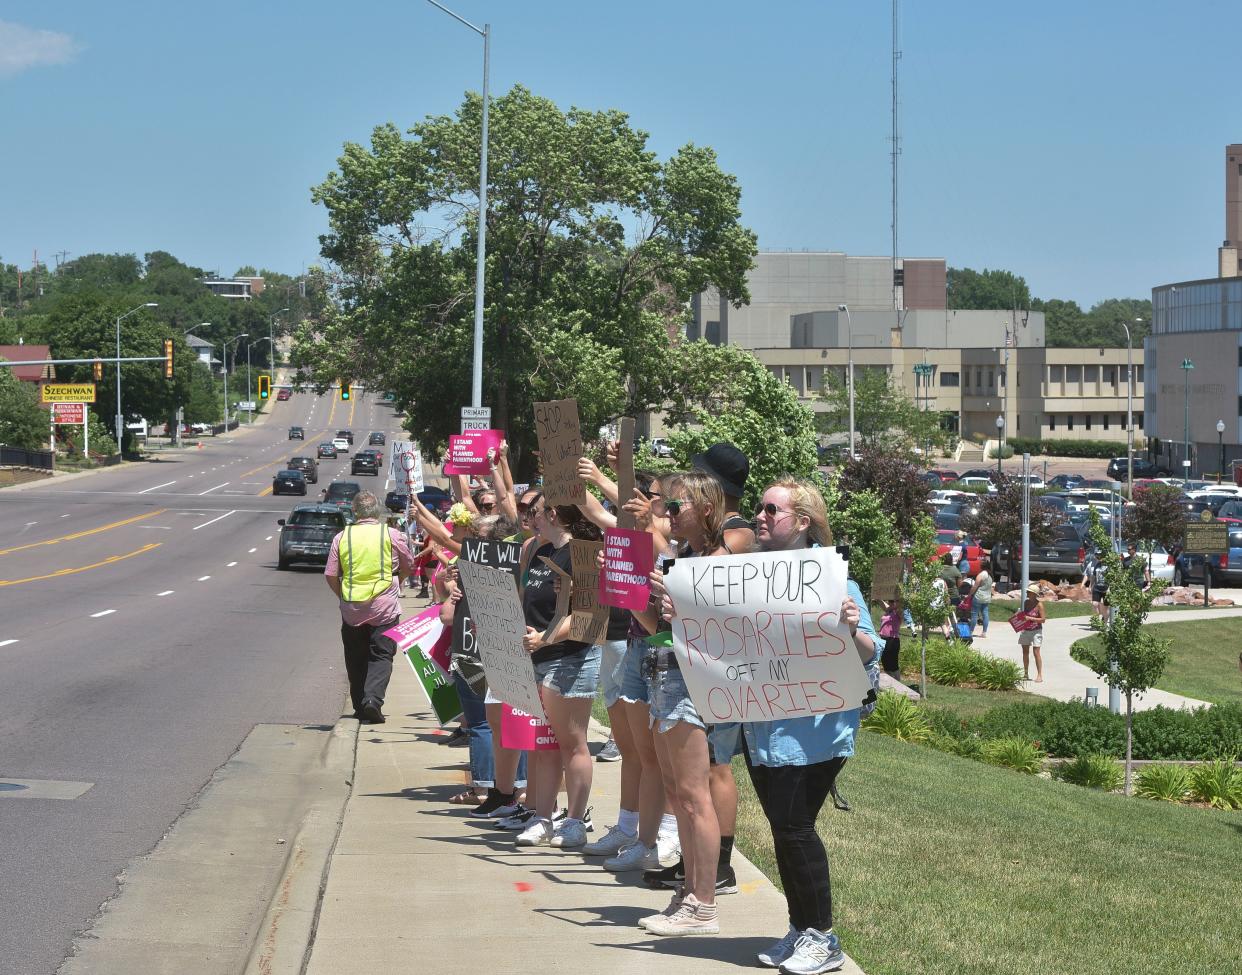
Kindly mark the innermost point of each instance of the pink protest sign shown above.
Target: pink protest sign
(425, 632)
(628, 558)
(523, 732)
(468, 451)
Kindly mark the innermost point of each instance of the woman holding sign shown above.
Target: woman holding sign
(794, 763)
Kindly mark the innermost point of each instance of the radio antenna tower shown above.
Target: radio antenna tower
(896, 152)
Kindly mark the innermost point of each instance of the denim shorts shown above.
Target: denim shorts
(574, 676)
(723, 742)
(670, 702)
(610, 670)
(634, 686)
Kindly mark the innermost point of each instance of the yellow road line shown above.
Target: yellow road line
(82, 534)
(266, 491)
(82, 568)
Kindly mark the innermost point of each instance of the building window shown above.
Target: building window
(1052, 421)
(1069, 421)
(1092, 374)
(1000, 379)
(1139, 418)
(949, 378)
(713, 333)
(979, 378)
(1105, 421)
(1019, 423)
(1138, 374)
(1073, 374)
(991, 378)
(1056, 374)
(1088, 421)
(1240, 356)
(1110, 376)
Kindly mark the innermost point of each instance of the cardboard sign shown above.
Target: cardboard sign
(629, 556)
(499, 625)
(482, 551)
(564, 593)
(625, 471)
(560, 447)
(886, 577)
(468, 451)
(1020, 621)
(523, 732)
(589, 620)
(759, 637)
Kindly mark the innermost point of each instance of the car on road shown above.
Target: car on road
(308, 466)
(201, 427)
(1117, 468)
(376, 439)
(283, 393)
(1066, 482)
(297, 433)
(327, 450)
(306, 535)
(977, 483)
(288, 482)
(341, 445)
(347, 434)
(341, 494)
(364, 462)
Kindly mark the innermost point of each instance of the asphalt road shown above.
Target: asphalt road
(144, 631)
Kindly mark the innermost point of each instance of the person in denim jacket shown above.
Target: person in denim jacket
(794, 763)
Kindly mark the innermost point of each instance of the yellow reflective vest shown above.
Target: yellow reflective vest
(365, 552)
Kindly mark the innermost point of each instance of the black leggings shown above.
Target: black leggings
(791, 797)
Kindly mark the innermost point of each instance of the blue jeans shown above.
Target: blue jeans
(978, 609)
(482, 765)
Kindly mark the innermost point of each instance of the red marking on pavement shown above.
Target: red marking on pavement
(522, 887)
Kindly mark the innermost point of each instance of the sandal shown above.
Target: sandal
(467, 798)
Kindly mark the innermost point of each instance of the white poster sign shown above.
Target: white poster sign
(499, 626)
(759, 637)
(405, 466)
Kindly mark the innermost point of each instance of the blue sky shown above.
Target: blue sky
(1080, 145)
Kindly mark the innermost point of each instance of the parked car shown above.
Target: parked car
(348, 435)
(1117, 468)
(946, 477)
(327, 450)
(436, 499)
(1066, 482)
(946, 540)
(341, 445)
(288, 482)
(396, 501)
(1061, 557)
(341, 493)
(308, 466)
(364, 462)
(984, 472)
(376, 439)
(297, 433)
(1226, 568)
(660, 447)
(306, 535)
(283, 393)
(946, 520)
(977, 482)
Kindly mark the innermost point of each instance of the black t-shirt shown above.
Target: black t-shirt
(618, 624)
(539, 599)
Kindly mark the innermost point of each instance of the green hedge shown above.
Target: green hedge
(1104, 449)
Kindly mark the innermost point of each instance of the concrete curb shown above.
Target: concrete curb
(283, 944)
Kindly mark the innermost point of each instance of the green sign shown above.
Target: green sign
(1210, 538)
(441, 694)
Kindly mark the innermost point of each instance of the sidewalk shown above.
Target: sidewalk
(414, 884)
(1067, 680)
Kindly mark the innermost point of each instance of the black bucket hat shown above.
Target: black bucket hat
(727, 464)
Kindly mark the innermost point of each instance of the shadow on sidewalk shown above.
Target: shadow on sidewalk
(738, 952)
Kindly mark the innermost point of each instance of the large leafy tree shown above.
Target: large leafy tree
(1157, 515)
(894, 480)
(23, 423)
(594, 246)
(967, 288)
(999, 521)
(884, 416)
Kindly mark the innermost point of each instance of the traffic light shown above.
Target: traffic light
(344, 389)
(97, 370)
(168, 358)
(265, 386)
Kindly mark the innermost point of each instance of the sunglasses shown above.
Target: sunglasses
(489, 506)
(770, 510)
(674, 507)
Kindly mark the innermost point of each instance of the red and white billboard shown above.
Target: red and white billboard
(68, 412)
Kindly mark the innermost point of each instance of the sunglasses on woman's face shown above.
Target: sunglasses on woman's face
(674, 507)
(488, 506)
(770, 510)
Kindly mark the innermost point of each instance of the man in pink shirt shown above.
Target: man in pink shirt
(366, 566)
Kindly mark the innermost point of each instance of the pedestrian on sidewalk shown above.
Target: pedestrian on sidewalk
(366, 565)
(980, 600)
(1032, 638)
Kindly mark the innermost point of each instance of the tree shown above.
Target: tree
(204, 403)
(1063, 322)
(919, 593)
(1157, 515)
(1066, 325)
(23, 423)
(894, 480)
(883, 414)
(723, 393)
(999, 520)
(595, 247)
(969, 289)
(1127, 656)
(861, 520)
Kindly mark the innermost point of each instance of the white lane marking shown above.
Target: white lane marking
(230, 565)
(210, 489)
(29, 523)
(252, 551)
(214, 520)
(64, 516)
(203, 578)
(202, 472)
(5, 643)
(105, 612)
(158, 486)
(191, 477)
(268, 539)
(166, 592)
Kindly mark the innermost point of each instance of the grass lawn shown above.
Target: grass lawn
(950, 866)
(1203, 658)
(970, 702)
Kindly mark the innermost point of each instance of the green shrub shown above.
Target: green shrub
(1184, 735)
(1093, 771)
(952, 665)
(996, 674)
(1013, 753)
(1065, 729)
(1106, 449)
(1218, 783)
(899, 717)
(946, 722)
(1165, 782)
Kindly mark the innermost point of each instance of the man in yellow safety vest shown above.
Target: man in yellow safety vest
(366, 566)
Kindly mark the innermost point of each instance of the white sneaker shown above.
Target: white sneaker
(668, 851)
(815, 953)
(674, 905)
(569, 833)
(779, 953)
(692, 918)
(539, 832)
(610, 844)
(631, 857)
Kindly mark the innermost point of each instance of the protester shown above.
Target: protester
(794, 763)
(366, 563)
(890, 632)
(1137, 566)
(1033, 638)
(980, 600)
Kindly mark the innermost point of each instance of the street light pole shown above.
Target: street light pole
(1000, 431)
(120, 420)
(1220, 446)
(849, 369)
(476, 391)
(225, 349)
(1129, 410)
(1187, 365)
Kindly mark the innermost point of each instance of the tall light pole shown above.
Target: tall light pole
(271, 336)
(476, 390)
(1000, 432)
(120, 420)
(1129, 410)
(1220, 446)
(225, 349)
(1187, 365)
(849, 369)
